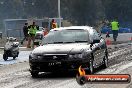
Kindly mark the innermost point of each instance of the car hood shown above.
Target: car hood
(61, 48)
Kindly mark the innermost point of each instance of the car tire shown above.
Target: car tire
(105, 60)
(89, 67)
(34, 74)
(5, 57)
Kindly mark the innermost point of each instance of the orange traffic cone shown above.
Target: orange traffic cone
(108, 42)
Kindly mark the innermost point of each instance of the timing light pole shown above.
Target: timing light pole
(59, 13)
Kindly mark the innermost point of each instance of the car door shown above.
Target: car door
(96, 48)
(103, 49)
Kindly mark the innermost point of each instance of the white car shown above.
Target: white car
(40, 33)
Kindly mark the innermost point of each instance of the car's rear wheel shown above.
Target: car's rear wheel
(34, 74)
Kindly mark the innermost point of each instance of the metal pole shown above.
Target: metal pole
(5, 28)
(7, 33)
(59, 13)
(20, 34)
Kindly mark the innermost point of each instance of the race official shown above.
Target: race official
(32, 33)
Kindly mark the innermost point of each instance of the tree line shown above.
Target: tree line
(78, 12)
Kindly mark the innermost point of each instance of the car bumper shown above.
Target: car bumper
(51, 66)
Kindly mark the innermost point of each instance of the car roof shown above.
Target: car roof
(73, 27)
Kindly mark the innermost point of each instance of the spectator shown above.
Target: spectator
(53, 24)
(46, 31)
(32, 33)
(115, 28)
(25, 32)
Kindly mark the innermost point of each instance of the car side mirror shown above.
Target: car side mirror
(96, 41)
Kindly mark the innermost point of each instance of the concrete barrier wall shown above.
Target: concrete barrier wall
(121, 36)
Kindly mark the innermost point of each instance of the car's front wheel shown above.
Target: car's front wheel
(34, 74)
(91, 68)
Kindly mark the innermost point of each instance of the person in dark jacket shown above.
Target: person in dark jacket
(25, 32)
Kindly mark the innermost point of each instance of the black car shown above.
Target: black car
(67, 48)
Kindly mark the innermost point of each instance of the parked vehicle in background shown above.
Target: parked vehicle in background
(11, 48)
(66, 48)
(40, 33)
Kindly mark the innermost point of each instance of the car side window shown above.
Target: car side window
(96, 35)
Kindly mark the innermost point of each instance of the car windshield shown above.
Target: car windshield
(66, 36)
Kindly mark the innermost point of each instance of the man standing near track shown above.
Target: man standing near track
(115, 28)
(32, 33)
